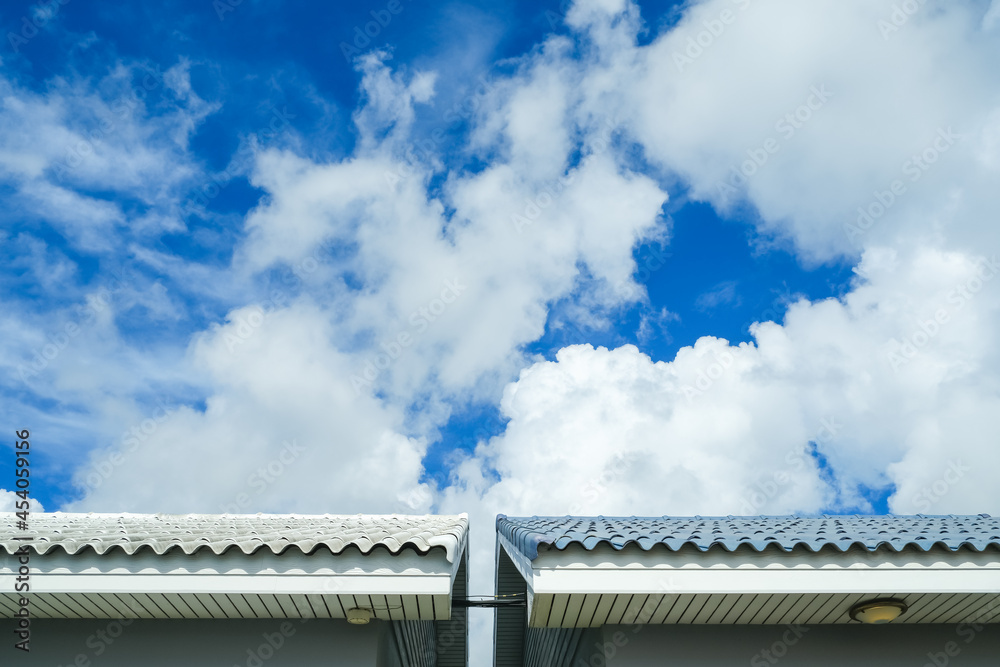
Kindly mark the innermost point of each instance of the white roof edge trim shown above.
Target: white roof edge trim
(235, 584)
(706, 581)
(613, 571)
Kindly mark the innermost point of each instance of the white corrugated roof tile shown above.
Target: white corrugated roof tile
(247, 532)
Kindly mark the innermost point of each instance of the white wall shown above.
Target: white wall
(195, 643)
(807, 646)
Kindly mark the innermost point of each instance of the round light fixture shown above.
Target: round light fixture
(359, 616)
(877, 612)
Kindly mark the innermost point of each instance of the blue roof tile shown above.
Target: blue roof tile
(841, 533)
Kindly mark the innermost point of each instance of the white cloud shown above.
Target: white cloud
(872, 109)
(83, 137)
(722, 294)
(514, 243)
(884, 376)
(10, 499)
(858, 113)
(283, 428)
(894, 384)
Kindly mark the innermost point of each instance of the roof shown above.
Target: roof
(249, 533)
(896, 533)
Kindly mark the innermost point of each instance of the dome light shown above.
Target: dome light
(877, 612)
(359, 616)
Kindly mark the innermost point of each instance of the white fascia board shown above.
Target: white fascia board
(350, 573)
(765, 581)
(663, 572)
(259, 584)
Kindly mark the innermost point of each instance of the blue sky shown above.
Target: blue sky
(264, 67)
(501, 258)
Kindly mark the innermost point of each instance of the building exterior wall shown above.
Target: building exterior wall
(965, 645)
(199, 643)
(509, 627)
(451, 636)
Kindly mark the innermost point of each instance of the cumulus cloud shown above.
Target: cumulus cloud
(816, 123)
(514, 240)
(909, 341)
(394, 295)
(283, 431)
(9, 500)
(872, 384)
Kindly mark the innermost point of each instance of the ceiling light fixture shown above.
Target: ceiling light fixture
(359, 616)
(877, 612)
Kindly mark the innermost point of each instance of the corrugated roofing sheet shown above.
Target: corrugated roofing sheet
(758, 533)
(247, 532)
